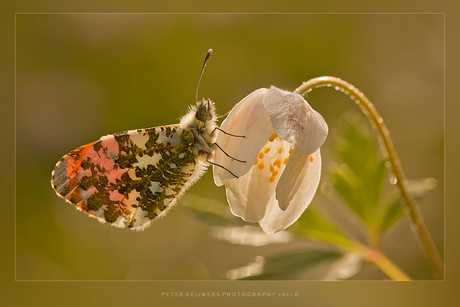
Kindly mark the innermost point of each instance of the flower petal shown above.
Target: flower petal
(250, 195)
(295, 121)
(298, 200)
(250, 119)
(291, 179)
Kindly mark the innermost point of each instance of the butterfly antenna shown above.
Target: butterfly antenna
(208, 55)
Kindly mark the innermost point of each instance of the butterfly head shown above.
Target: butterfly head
(205, 110)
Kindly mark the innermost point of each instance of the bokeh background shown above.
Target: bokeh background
(81, 76)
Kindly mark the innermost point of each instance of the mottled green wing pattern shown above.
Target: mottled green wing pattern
(130, 178)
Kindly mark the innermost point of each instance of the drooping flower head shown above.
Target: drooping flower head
(282, 161)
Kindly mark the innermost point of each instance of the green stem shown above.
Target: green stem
(380, 260)
(373, 237)
(418, 224)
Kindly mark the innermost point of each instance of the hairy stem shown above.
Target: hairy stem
(417, 222)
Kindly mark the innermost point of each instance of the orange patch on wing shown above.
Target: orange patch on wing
(75, 158)
(73, 166)
(81, 206)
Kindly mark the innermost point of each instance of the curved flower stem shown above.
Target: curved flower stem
(418, 224)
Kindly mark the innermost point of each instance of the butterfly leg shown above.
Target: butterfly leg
(223, 131)
(215, 164)
(228, 154)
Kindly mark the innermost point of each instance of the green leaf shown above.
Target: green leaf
(348, 185)
(379, 179)
(314, 226)
(291, 265)
(394, 211)
(361, 175)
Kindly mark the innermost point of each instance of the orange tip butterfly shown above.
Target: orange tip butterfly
(130, 178)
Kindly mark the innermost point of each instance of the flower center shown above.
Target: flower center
(274, 156)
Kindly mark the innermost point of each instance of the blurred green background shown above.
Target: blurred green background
(81, 76)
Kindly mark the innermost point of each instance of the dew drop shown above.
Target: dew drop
(393, 180)
(414, 227)
(337, 88)
(380, 120)
(407, 209)
(352, 97)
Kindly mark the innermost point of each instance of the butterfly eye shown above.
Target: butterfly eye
(201, 114)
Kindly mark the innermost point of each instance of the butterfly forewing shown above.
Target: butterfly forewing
(130, 178)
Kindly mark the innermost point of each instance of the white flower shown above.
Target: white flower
(278, 127)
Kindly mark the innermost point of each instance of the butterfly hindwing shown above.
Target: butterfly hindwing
(130, 178)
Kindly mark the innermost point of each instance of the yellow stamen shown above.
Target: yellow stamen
(286, 160)
(261, 165)
(257, 161)
(261, 155)
(272, 169)
(274, 173)
(280, 150)
(290, 150)
(311, 158)
(271, 179)
(267, 150)
(272, 137)
(277, 163)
